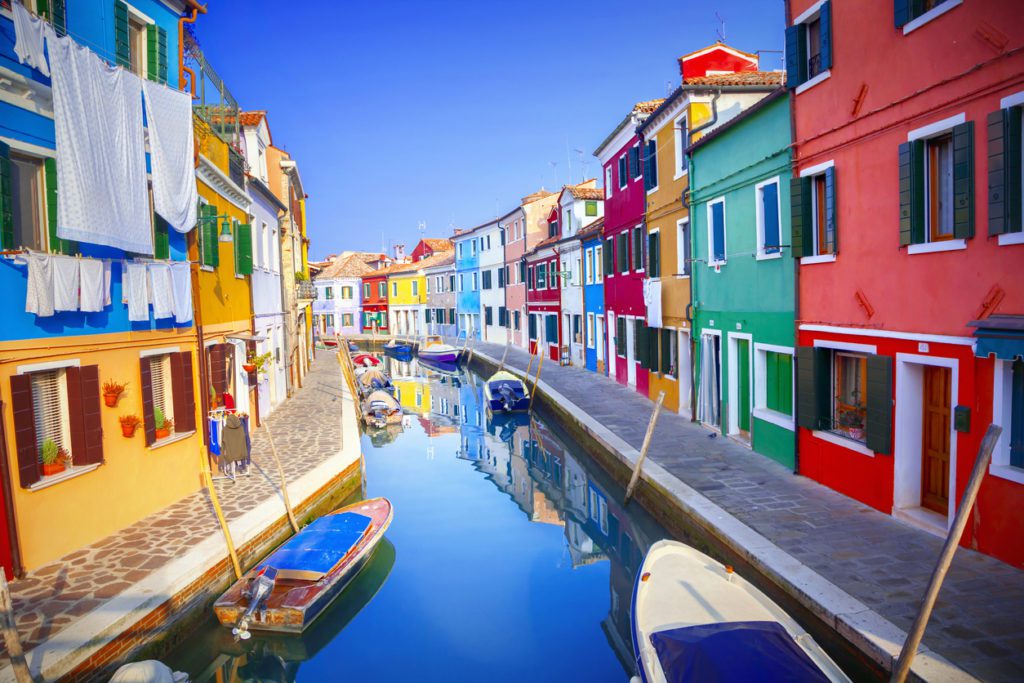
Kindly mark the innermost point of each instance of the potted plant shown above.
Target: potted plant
(129, 423)
(53, 458)
(258, 363)
(851, 422)
(112, 391)
(160, 420)
(300, 276)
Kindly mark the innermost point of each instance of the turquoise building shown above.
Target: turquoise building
(744, 278)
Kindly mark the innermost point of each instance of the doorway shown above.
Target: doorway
(685, 374)
(935, 439)
(739, 386)
(709, 404)
(611, 346)
(630, 353)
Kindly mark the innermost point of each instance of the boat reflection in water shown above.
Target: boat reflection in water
(277, 657)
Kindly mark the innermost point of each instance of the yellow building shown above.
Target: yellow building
(407, 295)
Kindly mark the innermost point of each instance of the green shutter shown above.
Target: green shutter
(796, 55)
(58, 17)
(6, 201)
(825, 22)
(813, 379)
(642, 342)
(638, 249)
(879, 411)
(963, 180)
(209, 248)
(122, 47)
(57, 245)
(800, 218)
(591, 208)
(161, 55)
(831, 223)
(532, 324)
(161, 238)
(620, 336)
(606, 256)
(152, 53)
(911, 160)
(622, 252)
(666, 347)
(779, 382)
(243, 248)
(1004, 171)
(654, 254)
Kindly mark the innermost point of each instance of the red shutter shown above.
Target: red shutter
(92, 425)
(25, 430)
(184, 392)
(10, 553)
(76, 425)
(148, 423)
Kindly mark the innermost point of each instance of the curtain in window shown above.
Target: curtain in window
(710, 402)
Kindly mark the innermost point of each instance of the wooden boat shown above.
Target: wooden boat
(434, 349)
(506, 393)
(353, 347)
(395, 347)
(373, 379)
(695, 619)
(365, 360)
(380, 409)
(295, 583)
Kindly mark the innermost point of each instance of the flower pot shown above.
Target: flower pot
(128, 431)
(55, 468)
(249, 368)
(110, 399)
(162, 433)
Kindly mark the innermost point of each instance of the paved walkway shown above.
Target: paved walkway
(51, 597)
(978, 623)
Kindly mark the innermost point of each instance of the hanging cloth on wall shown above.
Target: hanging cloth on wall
(39, 290)
(652, 297)
(161, 290)
(169, 119)
(136, 290)
(181, 284)
(92, 285)
(101, 156)
(29, 38)
(65, 283)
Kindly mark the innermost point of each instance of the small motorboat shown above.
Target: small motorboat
(398, 348)
(434, 349)
(295, 583)
(365, 360)
(506, 393)
(353, 347)
(373, 379)
(695, 619)
(381, 409)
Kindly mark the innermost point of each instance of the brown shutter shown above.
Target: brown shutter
(25, 430)
(184, 392)
(91, 422)
(218, 374)
(10, 553)
(146, 387)
(76, 426)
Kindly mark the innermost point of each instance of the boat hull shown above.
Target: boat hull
(494, 400)
(294, 605)
(440, 356)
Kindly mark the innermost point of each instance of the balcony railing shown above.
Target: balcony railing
(305, 291)
(814, 65)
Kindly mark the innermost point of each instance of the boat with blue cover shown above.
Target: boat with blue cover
(398, 348)
(695, 619)
(295, 584)
(506, 393)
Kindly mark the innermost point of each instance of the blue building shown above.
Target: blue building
(467, 280)
(593, 296)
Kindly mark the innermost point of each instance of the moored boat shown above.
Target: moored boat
(365, 360)
(434, 349)
(695, 619)
(506, 393)
(380, 409)
(398, 348)
(373, 379)
(295, 583)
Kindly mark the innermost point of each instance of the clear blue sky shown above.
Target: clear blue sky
(449, 112)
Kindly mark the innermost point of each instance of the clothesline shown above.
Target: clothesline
(26, 250)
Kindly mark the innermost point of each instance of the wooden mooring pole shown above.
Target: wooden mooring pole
(529, 366)
(635, 479)
(284, 482)
(988, 444)
(11, 638)
(533, 392)
(504, 356)
(208, 480)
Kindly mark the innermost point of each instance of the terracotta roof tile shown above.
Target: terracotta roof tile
(438, 243)
(346, 266)
(647, 106)
(251, 118)
(585, 192)
(534, 196)
(595, 227)
(741, 78)
(548, 242)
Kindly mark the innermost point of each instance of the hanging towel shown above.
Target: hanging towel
(93, 280)
(101, 156)
(181, 282)
(136, 290)
(161, 290)
(28, 36)
(169, 119)
(65, 283)
(39, 291)
(106, 283)
(652, 297)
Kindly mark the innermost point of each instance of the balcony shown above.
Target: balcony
(305, 291)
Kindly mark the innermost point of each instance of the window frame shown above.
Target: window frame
(762, 248)
(683, 248)
(712, 261)
(598, 263)
(638, 235)
(681, 134)
(836, 404)
(761, 410)
(623, 170)
(382, 290)
(932, 152)
(1002, 411)
(608, 181)
(41, 228)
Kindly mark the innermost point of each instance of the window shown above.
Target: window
(634, 162)
(503, 320)
(654, 254)
(366, 290)
(382, 290)
(531, 283)
(1006, 188)
(638, 249)
(451, 316)
(488, 315)
(939, 188)
(936, 171)
(591, 208)
(622, 251)
(461, 249)
(472, 247)
(814, 47)
(27, 203)
(346, 293)
(620, 337)
(907, 13)
(488, 247)
(591, 330)
(394, 289)
(542, 276)
(598, 263)
(137, 44)
(330, 320)
(515, 319)
(476, 283)
(774, 389)
(50, 410)
(849, 405)
(608, 181)
(485, 277)
(552, 274)
(683, 247)
(623, 177)
(553, 227)
(1008, 411)
(682, 138)
(716, 232)
(329, 292)
(460, 282)
(768, 218)
(651, 165)
(809, 47)
(577, 324)
(346, 320)
(588, 267)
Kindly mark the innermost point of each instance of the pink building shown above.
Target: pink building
(524, 229)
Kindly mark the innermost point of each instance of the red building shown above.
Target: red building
(907, 223)
(429, 246)
(375, 301)
(543, 293)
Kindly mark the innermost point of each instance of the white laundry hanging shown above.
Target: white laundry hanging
(91, 277)
(652, 297)
(136, 290)
(161, 290)
(181, 281)
(169, 119)
(65, 283)
(39, 290)
(29, 38)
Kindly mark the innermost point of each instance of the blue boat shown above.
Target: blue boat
(506, 393)
(398, 349)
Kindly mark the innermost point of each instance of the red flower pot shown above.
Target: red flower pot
(162, 433)
(128, 431)
(55, 468)
(249, 368)
(110, 399)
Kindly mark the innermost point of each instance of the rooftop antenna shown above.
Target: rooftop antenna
(568, 160)
(422, 227)
(720, 31)
(554, 171)
(583, 163)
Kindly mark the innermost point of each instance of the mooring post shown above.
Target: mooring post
(533, 392)
(988, 444)
(208, 480)
(284, 482)
(503, 357)
(643, 449)
(529, 366)
(11, 638)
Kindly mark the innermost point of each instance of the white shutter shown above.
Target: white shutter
(160, 371)
(50, 404)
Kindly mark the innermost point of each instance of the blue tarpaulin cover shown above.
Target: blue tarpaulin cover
(737, 651)
(320, 546)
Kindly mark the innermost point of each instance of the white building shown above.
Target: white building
(492, 282)
(578, 206)
(338, 306)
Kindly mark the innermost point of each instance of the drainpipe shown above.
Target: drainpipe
(796, 266)
(182, 69)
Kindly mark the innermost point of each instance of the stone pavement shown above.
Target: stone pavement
(51, 597)
(977, 623)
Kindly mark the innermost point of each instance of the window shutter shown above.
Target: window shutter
(6, 201)
(825, 22)
(532, 325)
(901, 12)
(210, 252)
(878, 425)
(666, 347)
(57, 245)
(25, 430)
(963, 180)
(620, 338)
(84, 408)
(800, 216)
(121, 42)
(831, 214)
(243, 249)
(218, 372)
(152, 53)
(796, 55)
(161, 72)
(647, 169)
(812, 386)
(607, 256)
(183, 391)
(652, 153)
(622, 252)
(911, 160)
(634, 162)
(59, 18)
(1004, 170)
(501, 278)
(161, 238)
(146, 388)
(643, 344)
(654, 254)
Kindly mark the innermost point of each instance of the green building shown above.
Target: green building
(743, 287)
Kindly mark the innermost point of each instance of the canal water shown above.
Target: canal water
(509, 559)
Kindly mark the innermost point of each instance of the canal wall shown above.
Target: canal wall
(862, 641)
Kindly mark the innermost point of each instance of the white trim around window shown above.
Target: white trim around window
(933, 129)
(817, 169)
(931, 14)
(845, 346)
(1008, 239)
(811, 82)
(762, 255)
(712, 262)
(935, 247)
(163, 351)
(761, 411)
(808, 13)
(680, 145)
(1001, 403)
(49, 365)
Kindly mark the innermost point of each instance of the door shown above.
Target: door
(742, 384)
(684, 373)
(710, 382)
(599, 341)
(630, 353)
(935, 434)
(611, 345)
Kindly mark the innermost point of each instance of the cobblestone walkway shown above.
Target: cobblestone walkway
(977, 623)
(51, 597)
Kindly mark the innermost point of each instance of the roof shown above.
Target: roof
(594, 228)
(647, 106)
(739, 118)
(545, 243)
(585, 192)
(438, 243)
(534, 196)
(640, 111)
(744, 81)
(351, 265)
(444, 258)
(719, 43)
(741, 78)
(251, 118)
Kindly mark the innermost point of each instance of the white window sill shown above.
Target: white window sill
(69, 473)
(931, 14)
(176, 436)
(769, 257)
(810, 83)
(1014, 474)
(935, 247)
(682, 174)
(776, 418)
(208, 269)
(716, 264)
(652, 190)
(850, 444)
(1010, 238)
(820, 258)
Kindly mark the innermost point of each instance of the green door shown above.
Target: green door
(743, 385)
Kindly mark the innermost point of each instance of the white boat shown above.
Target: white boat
(434, 349)
(695, 619)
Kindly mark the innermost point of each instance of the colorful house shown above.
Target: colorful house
(743, 285)
(578, 206)
(907, 223)
(407, 292)
(492, 282)
(467, 277)
(594, 331)
(338, 305)
(375, 301)
(543, 300)
(619, 155)
(524, 227)
(440, 307)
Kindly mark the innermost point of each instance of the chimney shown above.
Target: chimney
(400, 253)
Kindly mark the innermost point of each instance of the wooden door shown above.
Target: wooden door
(935, 429)
(742, 397)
